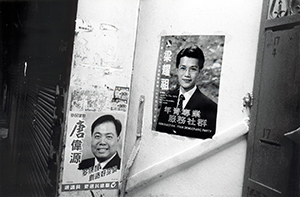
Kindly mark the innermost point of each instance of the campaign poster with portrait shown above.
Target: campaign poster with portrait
(187, 85)
(98, 95)
(82, 170)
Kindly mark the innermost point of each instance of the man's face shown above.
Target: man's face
(188, 72)
(104, 141)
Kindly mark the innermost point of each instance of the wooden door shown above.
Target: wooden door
(272, 165)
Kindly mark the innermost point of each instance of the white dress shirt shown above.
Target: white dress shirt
(187, 95)
(102, 164)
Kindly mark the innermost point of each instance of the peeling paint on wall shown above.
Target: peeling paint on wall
(99, 88)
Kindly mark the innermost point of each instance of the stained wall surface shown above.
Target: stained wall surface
(143, 23)
(99, 85)
(220, 174)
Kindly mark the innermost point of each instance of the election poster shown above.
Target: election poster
(98, 99)
(187, 85)
(93, 151)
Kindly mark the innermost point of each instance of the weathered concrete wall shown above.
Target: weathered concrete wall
(221, 173)
(100, 82)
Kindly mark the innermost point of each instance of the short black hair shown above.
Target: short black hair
(107, 118)
(192, 52)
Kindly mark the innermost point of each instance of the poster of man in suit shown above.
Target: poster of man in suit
(187, 85)
(105, 134)
(93, 151)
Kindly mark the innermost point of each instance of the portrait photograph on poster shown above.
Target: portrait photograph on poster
(93, 151)
(187, 85)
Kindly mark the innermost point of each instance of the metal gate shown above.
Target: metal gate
(38, 83)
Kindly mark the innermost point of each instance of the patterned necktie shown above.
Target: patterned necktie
(181, 99)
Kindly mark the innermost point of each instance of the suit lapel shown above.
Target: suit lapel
(114, 162)
(194, 100)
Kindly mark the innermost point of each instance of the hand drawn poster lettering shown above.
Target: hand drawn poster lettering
(187, 85)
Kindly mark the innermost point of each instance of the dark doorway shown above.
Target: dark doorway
(36, 46)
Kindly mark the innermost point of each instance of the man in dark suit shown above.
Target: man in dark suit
(105, 137)
(187, 111)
